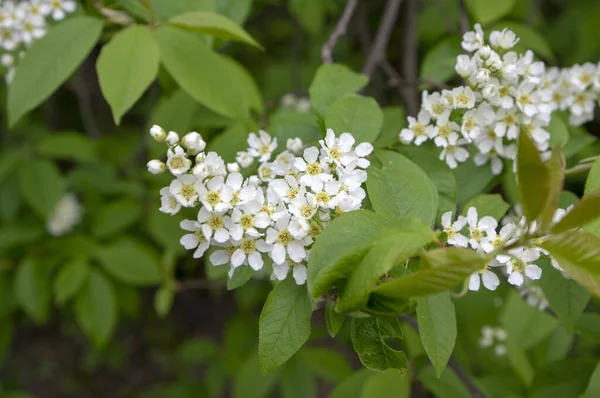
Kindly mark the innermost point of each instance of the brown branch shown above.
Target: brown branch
(340, 30)
(463, 17)
(409, 65)
(388, 21)
(460, 373)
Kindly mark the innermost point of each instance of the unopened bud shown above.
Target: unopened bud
(156, 166)
(193, 142)
(172, 138)
(233, 167)
(158, 133)
(294, 145)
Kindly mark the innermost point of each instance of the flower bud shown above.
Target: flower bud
(294, 145)
(233, 167)
(156, 166)
(193, 142)
(303, 105)
(172, 138)
(158, 133)
(244, 159)
(482, 76)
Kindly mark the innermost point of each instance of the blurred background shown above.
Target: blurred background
(180, 332)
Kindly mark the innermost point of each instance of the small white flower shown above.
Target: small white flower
(464, 97)
(210, 165)
(337, 150)
(473, 41)
(453, 230)
(246, 219)
(156, 166)
(168, 203)
(261, 146)
(233, 167)
(59, 8)
(7, 60)
(66, 214)
(244, 159)
(316, 171)
(294, 145)
(248, 251)
(195, 240)
(490, 280)
(184, 188)
(518, 264)
(214, 225)
(455, 153)
(193, 142)
(479, 229)
(505, 39)
(158, 133)
(177, 161)
(418, 129)
(445, 133)
(284, 243)
(215, 195)
(172, 138)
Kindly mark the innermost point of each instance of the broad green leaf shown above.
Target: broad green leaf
(41, 185)
(441, 269)
(168, 9)
(339, 248)
(488, 205)
(49, 62)
(236, 10)
(585, 212)
(165, 230)
(250, 383)
(241, 275)
(9, 162)
(526, 325)
(557, 179)
(559, 132)
(333, 319)
(380, 305)
(297, 380)
(533, 177)
(438, 64)
(388, 384)
(176, 112)
(310, 14)
(10, 199)
(211, 23)
(394, 120)
(520, 363)
(70, 279)
(326, 363)
(486, 11)
(32, 289)
(395, 246)
(67, 145)
(567, 378)
(284, 325)
(129, 261)
(19, 234)
(529, 39)
(229, 142)
(593, 388)
(448, 385)
(437, 327)
(137, 9)
(285, 124)
(163, 300)
(578, 253)
(591, 185)
(566, 297)
(369, 341)
(401, 194)
(331, 82)
(126, 67)
(116, 217)
(96, 308)
(360, 116)
(352, 386)
(472, 180)
(207, 76)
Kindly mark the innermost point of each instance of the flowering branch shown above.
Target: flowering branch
(340, 30)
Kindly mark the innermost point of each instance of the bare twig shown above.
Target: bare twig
(463, 17)
(388, 20)
(340, 30)
(460, 373)
(409, 60)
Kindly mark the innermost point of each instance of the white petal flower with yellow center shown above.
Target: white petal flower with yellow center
(195, 240)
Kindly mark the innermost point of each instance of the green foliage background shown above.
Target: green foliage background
(117, 308)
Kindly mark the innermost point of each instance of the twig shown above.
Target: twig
(460, 373)
(395, 80)
(409, 59)
(390, 14)
(463, 17)
(340, 30)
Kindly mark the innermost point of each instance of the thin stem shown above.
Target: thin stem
(340, 30)
(409, 60)
(578, 169)
(388, 21)
(463, 17)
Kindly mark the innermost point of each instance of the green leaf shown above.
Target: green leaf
(395, 194)
(310, 14)
(326, 363)
(339, 247)
(250, 383)
(593, 388)
(9, 162)
(585, 212)
(533, 176)
(49, 62)
(285, 124)
(126, 67)
(163, 300)
(592, 184)
(519, 361)
(196, 351)
(32, 289)
(559, 131)
(96, 308)
(488, 205)
(297, 380)
(369, 341)
(229, 142)
(395, 246)
(129, 261)
(394, 120)
(352, 386)
(137, 9)
(441, 269)
(116, 217)
(165, 230)
(438, 64)
(205, 75)
(211, 23)
(177, 111)
(388, 384)
(437, 327)
(284, 324)
(331, 82)
(360, 116)
(333, 319)
(529, 39)
(486, 11)
(448, 385)
(41, 185)
(578, 253)
(566, 297)
(67, 145)
(70, 280)
(237, 10)
(562, 379)
(168, 9)
(472, 180)
(526, 325)
(240, 276)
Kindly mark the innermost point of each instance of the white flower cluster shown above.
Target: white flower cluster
(277, 213)
(575, 89)
(493, 337)
(485, 235)
(503, 96)
(294, 102)
(23, 22)
(65, 216)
